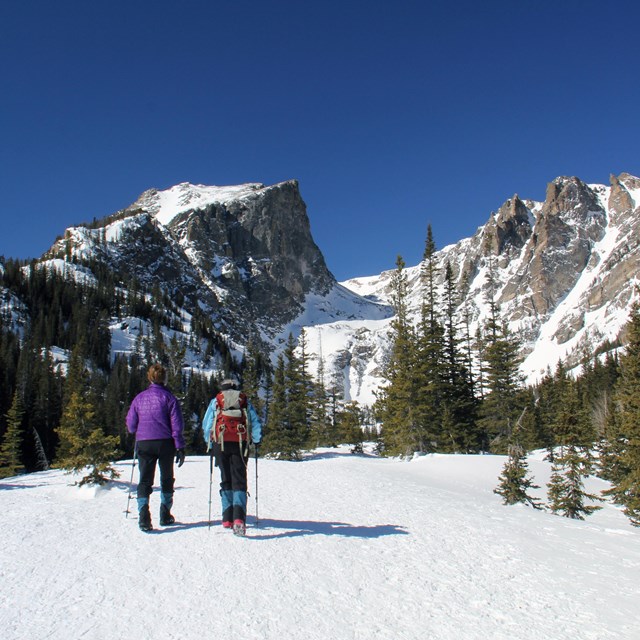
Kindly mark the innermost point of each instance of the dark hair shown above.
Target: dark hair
(157, 374)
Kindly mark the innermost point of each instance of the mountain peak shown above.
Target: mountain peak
(165, 205)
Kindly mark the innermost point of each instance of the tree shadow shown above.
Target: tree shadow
(296, 528)
(9, 486)
(325, 455)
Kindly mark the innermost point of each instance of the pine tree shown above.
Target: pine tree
(626, 488)
(612, 466)
(297, 383)
(515, 481)
(319, 409)
(82, 442)
(11, 449)
(83, 446)
(574, 461)
(394, 404)
(350, 427)
(460, 433)
(252, 376)
(335, 398)
(566, 488)
(501, 406)
(175, 352)
(280, 437)
(429, 366)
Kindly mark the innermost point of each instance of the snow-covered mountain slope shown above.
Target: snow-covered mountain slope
(565, 272)
(242, 254)
(387, 549)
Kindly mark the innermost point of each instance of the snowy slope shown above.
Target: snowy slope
(589, 314)
(346, 548)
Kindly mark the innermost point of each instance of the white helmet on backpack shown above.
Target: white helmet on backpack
(229, 383)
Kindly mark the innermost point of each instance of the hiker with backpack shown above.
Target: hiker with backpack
(230, 425)
(155, 418)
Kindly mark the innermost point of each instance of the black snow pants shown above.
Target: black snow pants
(150, 453)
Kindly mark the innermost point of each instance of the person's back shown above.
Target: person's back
(156, 411)
(230, 424)
(156, 420)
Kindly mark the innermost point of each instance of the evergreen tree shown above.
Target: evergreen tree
(335, 399)
(515, 481)
(501, 406)
(83, 445)
(532, 434)
(428, 368)
(175, 354)
(460, 433)
(611, 463)
(45, 409)
(574, 461)
(350, 427)
(11, 449)
(566, 488)
(319, 409)
(280, 438)
(626, 479)
(297, 385)
(571, 424)
(252, 374)
(394, 404)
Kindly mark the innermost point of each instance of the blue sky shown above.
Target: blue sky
(392, 115)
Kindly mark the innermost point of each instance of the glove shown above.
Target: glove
(180, 457)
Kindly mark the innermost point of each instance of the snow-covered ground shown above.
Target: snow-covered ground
(347, 547)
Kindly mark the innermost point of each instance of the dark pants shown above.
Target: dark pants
(233, 480)
(150, 453)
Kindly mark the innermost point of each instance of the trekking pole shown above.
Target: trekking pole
(133, 466)
(210, 483)
(256, 457)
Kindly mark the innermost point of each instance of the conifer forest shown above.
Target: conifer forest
(446, 391)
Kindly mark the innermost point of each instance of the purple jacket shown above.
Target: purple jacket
(155, 414)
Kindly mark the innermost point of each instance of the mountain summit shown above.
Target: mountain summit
(243, 254)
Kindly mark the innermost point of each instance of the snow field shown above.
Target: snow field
(347, 547)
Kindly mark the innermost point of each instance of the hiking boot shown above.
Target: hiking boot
(165, 516)
(239, 528)
(227, 524)
(144, 518)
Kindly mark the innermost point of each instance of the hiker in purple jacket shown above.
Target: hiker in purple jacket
(156, 420)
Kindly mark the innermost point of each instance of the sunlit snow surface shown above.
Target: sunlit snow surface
(346, 547)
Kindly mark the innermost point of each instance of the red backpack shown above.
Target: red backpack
(231, 422)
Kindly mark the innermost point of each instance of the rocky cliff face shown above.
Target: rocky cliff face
(567, 269)
(244, 253)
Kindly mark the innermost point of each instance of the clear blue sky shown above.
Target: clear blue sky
(392, 115)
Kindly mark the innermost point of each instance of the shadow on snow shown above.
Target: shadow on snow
(289, 529)
(295, 528)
